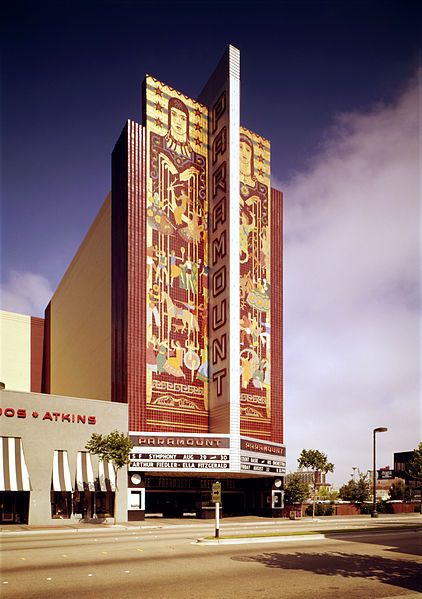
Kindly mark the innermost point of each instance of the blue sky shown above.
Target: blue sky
(334, 86)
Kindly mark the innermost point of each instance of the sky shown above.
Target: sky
(336, 87)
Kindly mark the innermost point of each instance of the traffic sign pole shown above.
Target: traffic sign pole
(216, 498)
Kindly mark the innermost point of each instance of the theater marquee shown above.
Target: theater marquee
(155, 452)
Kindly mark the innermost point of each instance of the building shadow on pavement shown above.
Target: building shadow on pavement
(401, 573)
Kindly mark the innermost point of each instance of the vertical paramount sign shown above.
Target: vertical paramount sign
(206, 264)
(221, 96)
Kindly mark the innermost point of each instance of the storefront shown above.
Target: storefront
(14, 482)
(46, 474)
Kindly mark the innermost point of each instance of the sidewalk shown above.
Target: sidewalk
(148, 523)
(303, 524)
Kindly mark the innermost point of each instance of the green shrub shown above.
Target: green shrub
(383, 507)
(321, 509)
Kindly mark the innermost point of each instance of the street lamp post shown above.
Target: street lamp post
(374, 514)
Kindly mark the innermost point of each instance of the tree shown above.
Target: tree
(414, 470)
(397, 489)
(295, 490)
(315, 460)
(114, 448)
(325, 493)
(356, 491)
(414, 467)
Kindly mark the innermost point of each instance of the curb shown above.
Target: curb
(301, 537)
(243, 541)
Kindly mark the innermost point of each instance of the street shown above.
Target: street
(166, 562)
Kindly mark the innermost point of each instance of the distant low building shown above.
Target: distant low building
(382, 486)
(401, 464)
(307, 476)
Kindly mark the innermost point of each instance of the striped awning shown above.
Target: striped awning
(84, 472)
(106, 476)
(61, 480)
(13, 471)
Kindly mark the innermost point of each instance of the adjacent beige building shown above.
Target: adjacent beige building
(47, 476)
(80, 330)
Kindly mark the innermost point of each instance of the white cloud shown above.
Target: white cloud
(352, 290)
(25, 293)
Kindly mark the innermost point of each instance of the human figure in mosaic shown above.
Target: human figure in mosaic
(177, 137)
(177, 183)
(203, 369)
(179, 210)
(185, 279)
(151, 353)
(161, 272)
(152, 302)
(151, 253)
(247, 175)
(254, 286)
(174, 363)
(175, 270)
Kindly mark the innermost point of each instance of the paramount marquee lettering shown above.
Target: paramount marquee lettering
(49, 416)
(179, 441)
(261, 447)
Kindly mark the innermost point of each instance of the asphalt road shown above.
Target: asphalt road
(160, 563)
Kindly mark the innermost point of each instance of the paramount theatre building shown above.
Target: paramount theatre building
(173, 304)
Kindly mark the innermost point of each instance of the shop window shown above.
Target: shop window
(104, 504)
(61, 504)
(14, 507)
(83, 504)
